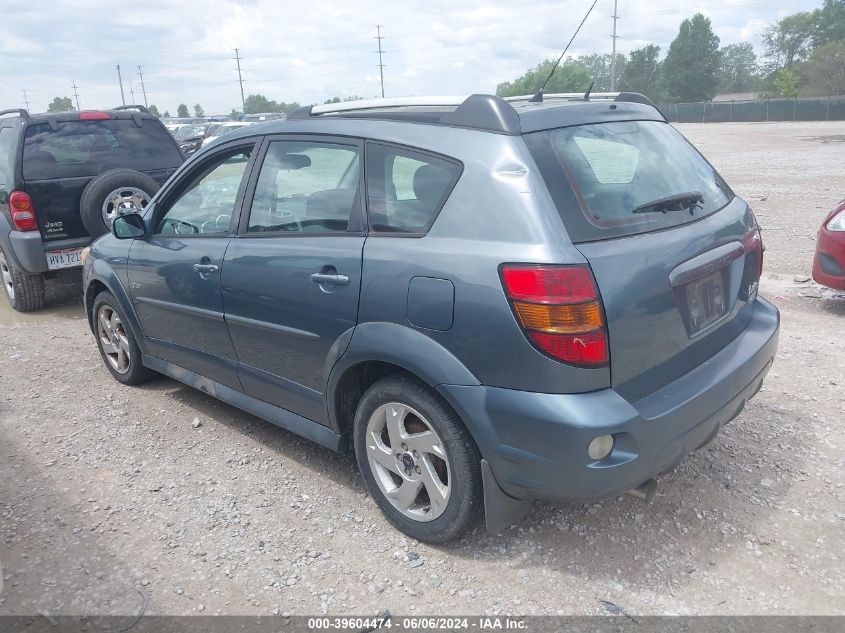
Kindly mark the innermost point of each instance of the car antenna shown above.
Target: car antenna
(538, 96)
(589, 90)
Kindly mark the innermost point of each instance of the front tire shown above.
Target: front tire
(24, 291)
(418, 461)
(117, 344)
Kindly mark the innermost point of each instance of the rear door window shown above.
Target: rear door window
(306, 187)
(88, 148)
(627, 177)
(406, 189)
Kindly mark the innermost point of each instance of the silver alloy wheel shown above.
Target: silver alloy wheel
(408, 462)
(122, 201)
(6, 275)
(113, 340)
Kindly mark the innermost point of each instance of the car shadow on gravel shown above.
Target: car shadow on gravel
(340, 468)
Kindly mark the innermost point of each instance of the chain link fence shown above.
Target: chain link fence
(797, 109)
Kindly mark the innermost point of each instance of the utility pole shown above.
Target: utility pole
(131, 92)
(613, 54)
(120, 81)
(143, 87)
(25, 99)
(380, 37)
(76, 94)
(240, 79)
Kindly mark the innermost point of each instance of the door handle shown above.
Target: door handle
(204, 269)
(328, 278)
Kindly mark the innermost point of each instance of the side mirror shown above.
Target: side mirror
(129, 226)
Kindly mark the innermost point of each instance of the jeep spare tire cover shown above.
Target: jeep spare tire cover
(114, 193)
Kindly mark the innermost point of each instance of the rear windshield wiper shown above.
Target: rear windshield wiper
(688, 200)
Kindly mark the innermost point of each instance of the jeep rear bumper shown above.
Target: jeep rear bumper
(29, 249)
(536, 443)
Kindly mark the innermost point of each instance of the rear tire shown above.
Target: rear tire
(116, 342)
(97, 202)
(24, 291)
(429, 484)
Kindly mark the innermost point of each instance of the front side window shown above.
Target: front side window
(206, 204)
(627, 177)
(406, 189)
(306, 187)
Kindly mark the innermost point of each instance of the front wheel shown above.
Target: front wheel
(417, 459)
(117, 344)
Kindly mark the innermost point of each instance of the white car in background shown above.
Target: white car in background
(225, 128)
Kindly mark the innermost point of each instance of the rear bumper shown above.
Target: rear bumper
(30, 250)
(536, 443)
(829, 262)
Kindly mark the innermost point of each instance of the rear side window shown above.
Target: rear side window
(87, 148)
(622, 178)
(406, 189)
(7, 155)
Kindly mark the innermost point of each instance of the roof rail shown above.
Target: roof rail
(478, 111)
(629, 97)
(19, 111)
(572, 96)
(140, 108)
(389, 102)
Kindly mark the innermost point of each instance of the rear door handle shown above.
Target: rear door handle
(327, 278)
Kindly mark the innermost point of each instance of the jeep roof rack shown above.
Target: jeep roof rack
(477, 111)
(19, 111)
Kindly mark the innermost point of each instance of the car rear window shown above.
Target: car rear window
(625, 177)
(87, 148)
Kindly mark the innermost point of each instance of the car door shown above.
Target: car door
(292, 275)
(174, 275)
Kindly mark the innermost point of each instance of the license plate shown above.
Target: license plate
(706, 301)
(67, 258)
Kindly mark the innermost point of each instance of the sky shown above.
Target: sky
(311, 51)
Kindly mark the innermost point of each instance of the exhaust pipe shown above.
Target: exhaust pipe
(644, 491)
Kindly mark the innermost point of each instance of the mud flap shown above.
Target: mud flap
(500, 509)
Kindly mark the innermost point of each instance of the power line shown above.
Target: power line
(25, 99)
(120, 81)
(240, 79)
(76, 94)
(613, 54)
(380, 37)
(143, 87)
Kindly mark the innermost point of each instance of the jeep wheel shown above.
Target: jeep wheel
(417, 460)
(25, 292)
(117, 344)
(112, 194)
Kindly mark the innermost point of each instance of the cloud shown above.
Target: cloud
(311, 52)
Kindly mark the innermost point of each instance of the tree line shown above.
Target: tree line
(803, 55)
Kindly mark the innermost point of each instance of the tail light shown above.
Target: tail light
(23, 211)
(560, 311)
(753, 243)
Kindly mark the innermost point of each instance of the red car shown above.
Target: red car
(829, 264)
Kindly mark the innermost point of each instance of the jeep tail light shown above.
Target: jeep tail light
(560, 311)
(23, 211)
(90, 115)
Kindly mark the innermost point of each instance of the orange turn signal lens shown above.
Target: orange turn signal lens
(560, 319)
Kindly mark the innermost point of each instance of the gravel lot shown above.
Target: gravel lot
(114, 497)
